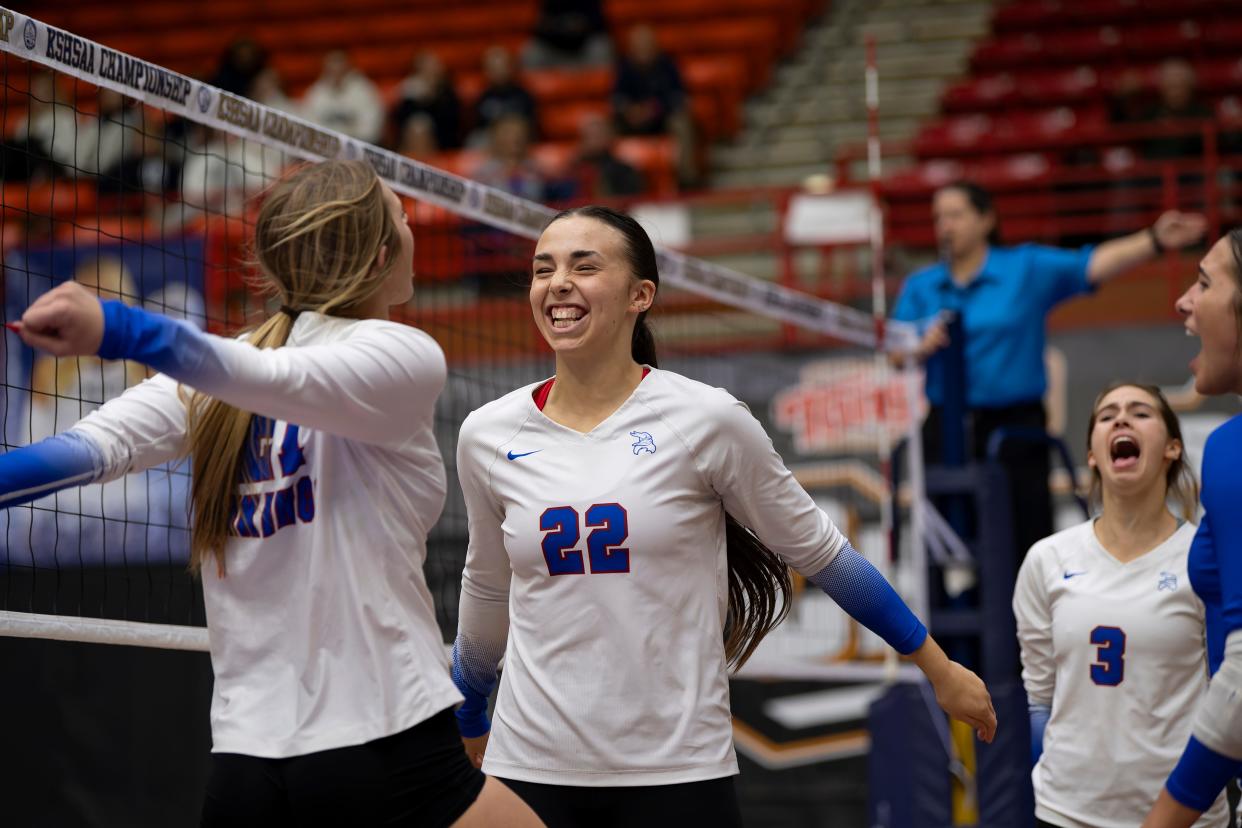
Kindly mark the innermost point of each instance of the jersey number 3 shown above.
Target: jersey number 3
(1110, 658)
(610, 527)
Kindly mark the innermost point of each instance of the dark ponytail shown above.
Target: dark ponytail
(759, 584)
(756, 576)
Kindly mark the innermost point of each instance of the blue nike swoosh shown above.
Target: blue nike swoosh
(513, 456)
(1069, 575)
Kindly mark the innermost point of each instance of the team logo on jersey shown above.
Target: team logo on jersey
(274, 495)
(643, 442)
(1168, 582)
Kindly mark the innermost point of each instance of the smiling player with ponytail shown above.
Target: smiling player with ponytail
(316, 481)
(631, 533)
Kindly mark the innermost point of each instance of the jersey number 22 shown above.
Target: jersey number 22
(610, 527)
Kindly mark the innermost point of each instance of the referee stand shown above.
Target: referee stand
(924, 770)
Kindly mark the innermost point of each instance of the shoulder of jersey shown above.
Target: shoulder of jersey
(1071, 538)
(670, 389)
(324, 328)
(504, 409)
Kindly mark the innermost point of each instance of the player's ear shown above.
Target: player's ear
(1091, 464)
(381, 258)
(642, 295)
(1173, 450)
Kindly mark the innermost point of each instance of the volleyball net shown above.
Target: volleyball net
(141, 184)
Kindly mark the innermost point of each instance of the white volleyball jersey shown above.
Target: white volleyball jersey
(1118, 652)
(323, 632)
(603, 557)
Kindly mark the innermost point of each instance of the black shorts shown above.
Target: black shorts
(712, 802)
(420, 776)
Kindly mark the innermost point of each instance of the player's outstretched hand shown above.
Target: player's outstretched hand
(961, 693)
(1177, 230)
(965, 697)
(66, 321)
(475, 748)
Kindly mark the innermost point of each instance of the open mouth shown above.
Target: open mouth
(1124, 451)
(1194, 362)
(565, 317)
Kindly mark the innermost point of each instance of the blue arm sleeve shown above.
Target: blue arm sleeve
(31, 472)
(1040, 713)
(1201, 775)
(475, 678)
(860, 589)
(168, 345)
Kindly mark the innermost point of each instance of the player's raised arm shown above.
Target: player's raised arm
(142, 428)
(356, 388)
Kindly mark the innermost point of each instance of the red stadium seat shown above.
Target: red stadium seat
(561, 123)
(553, 158)
(723, 78)
(752, 39)
(655, 158)
(1022, 131)
(60, 199)
(981, 93)
(554, 86)
(1065, 87)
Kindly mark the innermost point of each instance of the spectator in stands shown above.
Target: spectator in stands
(45, 143)
(428, 90)
(503, 95)
(568, 34)
(345, 99)
(508, 165)
(1177, 103)
(241, 63)
(110, 143)
(597, 172)
(649, 98)
(1003, 296)
(418, 138)
(222, 172)
(648, 91)
(1125, 104)
(268, 88)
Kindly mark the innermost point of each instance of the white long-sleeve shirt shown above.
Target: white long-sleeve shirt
(601, 557)
(323, 631)
(1117, 651)
(352, 106)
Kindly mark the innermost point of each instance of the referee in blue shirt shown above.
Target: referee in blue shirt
(1003, 296)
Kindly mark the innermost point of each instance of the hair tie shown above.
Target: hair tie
(292, 313)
